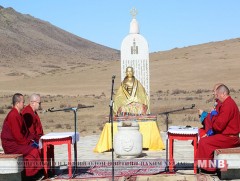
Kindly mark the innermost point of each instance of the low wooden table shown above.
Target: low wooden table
(181, 133)
(48, 141)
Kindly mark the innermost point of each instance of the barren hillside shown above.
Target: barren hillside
(198, 66)
(37, 47)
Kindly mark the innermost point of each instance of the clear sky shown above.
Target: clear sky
(166, 24)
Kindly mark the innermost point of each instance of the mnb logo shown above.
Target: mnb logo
(216, 164)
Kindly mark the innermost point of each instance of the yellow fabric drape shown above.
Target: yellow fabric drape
(151, 137)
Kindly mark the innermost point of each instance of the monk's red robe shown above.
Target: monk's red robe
(226, 128)
(15, 141)
(33, 123)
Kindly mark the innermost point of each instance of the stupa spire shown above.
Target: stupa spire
(134, 13)
(134, 28)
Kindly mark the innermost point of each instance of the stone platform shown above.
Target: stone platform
(232, 158)
(11, 166)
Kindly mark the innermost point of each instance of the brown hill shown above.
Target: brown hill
(198, 66)
(37, 47)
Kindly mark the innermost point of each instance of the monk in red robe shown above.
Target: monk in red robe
(32, 119)
(226, 130)
(33, 122)
(15, 140)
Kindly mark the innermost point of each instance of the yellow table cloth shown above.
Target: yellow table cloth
(149, 129)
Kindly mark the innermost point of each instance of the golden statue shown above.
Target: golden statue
(131, 97)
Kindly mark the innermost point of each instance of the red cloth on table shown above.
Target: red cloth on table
(226, 128)
(15, 141)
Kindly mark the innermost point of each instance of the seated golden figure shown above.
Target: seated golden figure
(131, 97)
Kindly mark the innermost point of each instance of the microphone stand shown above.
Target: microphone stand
(111, 120)
(166, 121)
(74, 109)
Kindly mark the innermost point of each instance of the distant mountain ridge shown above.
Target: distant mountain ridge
(33, 41)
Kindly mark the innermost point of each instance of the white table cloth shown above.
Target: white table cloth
(183, 130)
(59, 135)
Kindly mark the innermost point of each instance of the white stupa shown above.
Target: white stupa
(135, 53)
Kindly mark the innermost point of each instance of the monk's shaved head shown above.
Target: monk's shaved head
(223, 89)
(16, 98)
